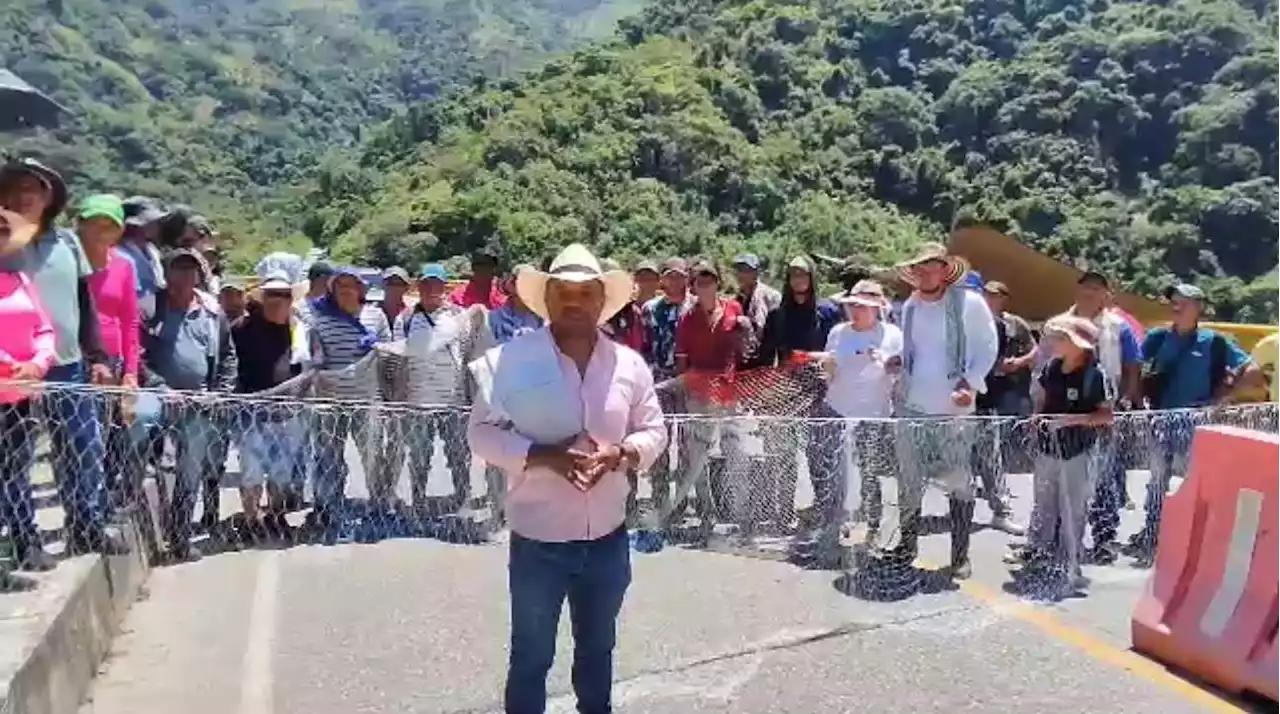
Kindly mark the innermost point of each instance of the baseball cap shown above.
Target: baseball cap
(276, 280)
(675, 265)
(996, 287)
(433, 271)
(802, 262)
(1094, 276)
(232, 285)
(200, 225)
(320, 269)
(1184, 290)
(142, 211)
(104, 205)
(747, 260)
(178, 254)
(396, 272)
(646, 265)
(706, 267)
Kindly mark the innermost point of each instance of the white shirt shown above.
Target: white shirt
(860, 387)
(928, 386)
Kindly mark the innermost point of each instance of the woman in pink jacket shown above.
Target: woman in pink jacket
(114, 286)
(26, 354)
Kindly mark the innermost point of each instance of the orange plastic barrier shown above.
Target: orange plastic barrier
(1211, 605)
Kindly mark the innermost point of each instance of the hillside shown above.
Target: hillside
(1137, 137)
(225, 104)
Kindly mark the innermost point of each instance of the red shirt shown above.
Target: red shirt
(470, 294)
(707, 347)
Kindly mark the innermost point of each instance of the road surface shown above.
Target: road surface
(416, 625)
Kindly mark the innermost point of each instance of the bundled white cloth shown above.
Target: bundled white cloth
(524, 386)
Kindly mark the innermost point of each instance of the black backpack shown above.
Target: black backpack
(1156, 376)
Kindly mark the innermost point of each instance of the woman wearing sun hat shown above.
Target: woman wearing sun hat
(862, 357)
(949, 346)
(565, 412)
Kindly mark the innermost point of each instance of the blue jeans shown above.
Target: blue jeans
(992, 441)
(329, 449)
(75, 433)
(593, 575)
(1111, 490)
(196, 434)
(17, 454)
(1170, 448)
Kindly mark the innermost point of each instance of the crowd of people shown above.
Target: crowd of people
(133, 296)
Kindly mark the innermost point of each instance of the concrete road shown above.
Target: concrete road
(420, 626)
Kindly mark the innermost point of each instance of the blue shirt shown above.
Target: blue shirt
(1130, 351)
(1188, 360)
(509, 323)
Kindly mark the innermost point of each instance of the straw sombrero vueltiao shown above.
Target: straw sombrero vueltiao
(574, 264)
(957, 267)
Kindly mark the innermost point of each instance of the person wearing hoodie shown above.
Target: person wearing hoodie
(55, 262)
(798, 326)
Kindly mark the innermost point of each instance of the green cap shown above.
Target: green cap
(107, 205)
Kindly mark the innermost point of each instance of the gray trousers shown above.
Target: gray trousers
(1062, 490)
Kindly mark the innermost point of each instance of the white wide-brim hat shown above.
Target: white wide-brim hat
(575, 264)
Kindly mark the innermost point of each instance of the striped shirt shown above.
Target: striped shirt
(438, 346)
(337, 352)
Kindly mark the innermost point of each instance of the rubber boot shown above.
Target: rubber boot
(961, 519)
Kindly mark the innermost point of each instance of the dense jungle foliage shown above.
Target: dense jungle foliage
(228, 104)
(1136, 137)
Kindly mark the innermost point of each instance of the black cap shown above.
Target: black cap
(57, 186)
(1093, 276)
(320, 269)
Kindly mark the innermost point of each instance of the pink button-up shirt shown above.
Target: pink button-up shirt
(619, 407)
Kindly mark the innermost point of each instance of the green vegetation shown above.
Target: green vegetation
(227, 104)
(1138, 137)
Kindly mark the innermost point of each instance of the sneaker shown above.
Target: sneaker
(185, 553)
(961, 571)
(277, 526)
(1006, 524)
(1103, 554)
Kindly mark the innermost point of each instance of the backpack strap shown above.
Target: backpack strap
(1218, 354)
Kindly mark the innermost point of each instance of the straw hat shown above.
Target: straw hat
(957, 267)
(575, 264)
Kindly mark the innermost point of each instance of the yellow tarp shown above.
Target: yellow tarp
(1039, 286)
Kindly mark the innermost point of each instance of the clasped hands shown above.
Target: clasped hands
(580, 467)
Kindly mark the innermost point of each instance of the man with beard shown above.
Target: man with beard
(949, 346)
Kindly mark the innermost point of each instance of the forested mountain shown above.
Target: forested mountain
(1139, 137)
(224, 104)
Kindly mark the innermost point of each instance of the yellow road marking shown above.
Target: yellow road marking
(1098, 649)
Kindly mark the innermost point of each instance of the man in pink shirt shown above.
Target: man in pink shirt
(483, 288)
(567, 471)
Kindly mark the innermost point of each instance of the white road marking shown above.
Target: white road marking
(257, 679)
